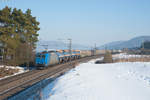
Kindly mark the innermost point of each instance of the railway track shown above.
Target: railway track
(13, 78)
(10, 86)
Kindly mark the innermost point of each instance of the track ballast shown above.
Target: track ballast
(12, 85)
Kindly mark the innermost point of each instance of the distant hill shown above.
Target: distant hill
(132, 43)
(53, 45)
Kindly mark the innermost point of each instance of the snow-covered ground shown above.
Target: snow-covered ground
(126, 56)
(117, 81)
(20, 70)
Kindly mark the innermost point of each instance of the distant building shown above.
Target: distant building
(146, 45)
(145, 48)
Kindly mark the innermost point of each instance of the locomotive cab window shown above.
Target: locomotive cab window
(38, 55)
(43, 56)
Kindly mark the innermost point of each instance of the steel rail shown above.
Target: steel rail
(61, 69)
(16, 77)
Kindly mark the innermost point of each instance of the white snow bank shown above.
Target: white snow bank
(126, 56)
(117, 81)
(20, 70)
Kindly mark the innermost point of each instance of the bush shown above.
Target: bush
(7, 71)
(108, 57)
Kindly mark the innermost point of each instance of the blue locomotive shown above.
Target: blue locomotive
(48, 58)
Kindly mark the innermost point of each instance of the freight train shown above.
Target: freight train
(53, 57)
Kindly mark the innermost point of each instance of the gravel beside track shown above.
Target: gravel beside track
(15, 84)
(13, 78)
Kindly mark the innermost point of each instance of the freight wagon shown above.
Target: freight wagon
(49, 58)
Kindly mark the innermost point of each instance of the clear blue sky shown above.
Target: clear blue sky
(88, 21)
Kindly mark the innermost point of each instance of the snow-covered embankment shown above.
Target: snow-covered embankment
(117, 81)
(8, 71)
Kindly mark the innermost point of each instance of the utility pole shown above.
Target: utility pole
(143, 45)
(142, 50)
(95, 46)
(92, 51)
(70, 46)
(45, 47)
(95, 49)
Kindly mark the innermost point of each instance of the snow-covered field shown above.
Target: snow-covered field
(20, 70)
(117, 81)
(126, 56)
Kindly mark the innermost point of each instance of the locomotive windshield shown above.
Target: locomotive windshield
(40, 56)
(43, 56)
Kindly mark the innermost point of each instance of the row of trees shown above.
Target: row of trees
(18, 35)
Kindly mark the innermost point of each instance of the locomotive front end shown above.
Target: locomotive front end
(40, 60)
